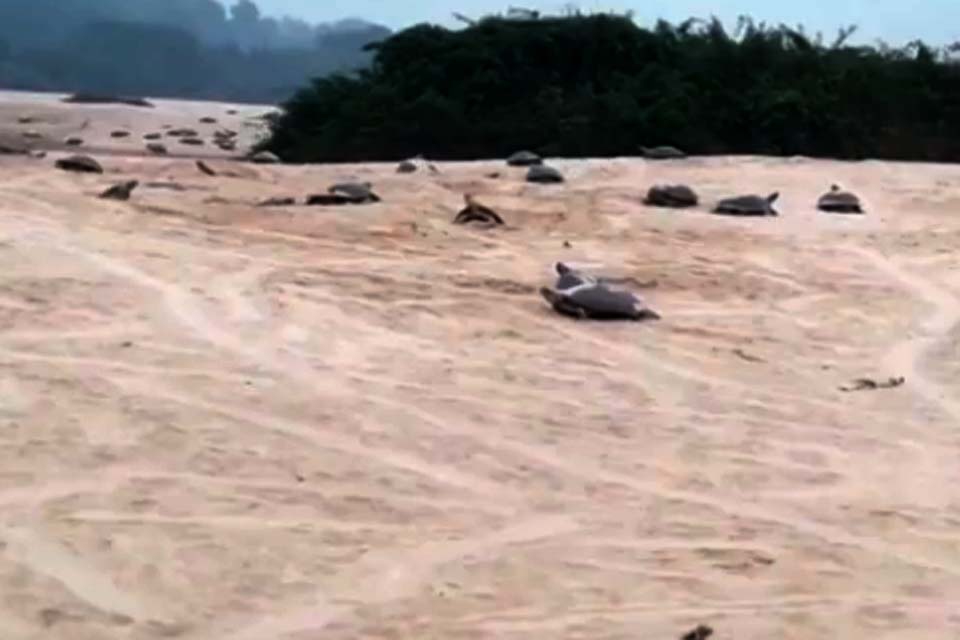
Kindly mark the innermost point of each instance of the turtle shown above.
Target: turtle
(700, 632)
(750, 205)
(542, 174)
(355, 192)
(182, 133)
(264, 157)
(195, 142)
(839, 201)
(676, 196)
(407, 166)
(157, 148)
(205, 168)
(597, 301)
(80, 164)
(524, 159)
(120, 191)
(279, 201)
(662, 153)
(73, 141)
(152, 136)
(120, 133)
(476, 212)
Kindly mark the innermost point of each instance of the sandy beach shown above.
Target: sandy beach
(230, 422)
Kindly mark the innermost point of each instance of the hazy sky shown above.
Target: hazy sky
(897, 21)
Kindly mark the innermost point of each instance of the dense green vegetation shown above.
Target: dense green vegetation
(600, 85)
(171, 48)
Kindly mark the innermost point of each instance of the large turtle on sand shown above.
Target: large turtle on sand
(542, 174)
(476, 212)
(839, 201)
(355, 192)
(524, 159)
(79, 164)
(677, 196)
(751, 205)
(582, 296)
(662, 153)
(597, 302)
(345, 193)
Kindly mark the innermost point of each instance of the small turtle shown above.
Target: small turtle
(120, 133)
(120, 191)
(542, 174)
(524, 159)
(208, 120)
(264, 157)
(32, 134)
(182, 133)
(838, 201)
(598, 302)
(355, 192)
(407, 166)
(677, 196)
(80, 164)
(73, 141)
(152, 136)
(205, 168)
(476, 212)
(701, 632)
(195, 142)
(280, 201)
(662, 153)
(157, 147)
(751, 205)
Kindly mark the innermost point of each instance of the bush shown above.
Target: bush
(599, 85)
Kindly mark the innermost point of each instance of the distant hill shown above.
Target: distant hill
(172, 48)
(600, 85)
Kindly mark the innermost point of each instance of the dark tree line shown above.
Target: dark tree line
(171, 48)
(600, 85)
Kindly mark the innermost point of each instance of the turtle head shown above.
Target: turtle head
(551, 296)
(468, 199)
(561, 268)
(834, 187)
(773, 197)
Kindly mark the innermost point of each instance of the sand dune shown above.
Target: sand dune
(225, 421)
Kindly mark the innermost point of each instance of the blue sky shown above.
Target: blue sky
(897, 21)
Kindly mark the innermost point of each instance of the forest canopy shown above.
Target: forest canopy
(600, 85)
